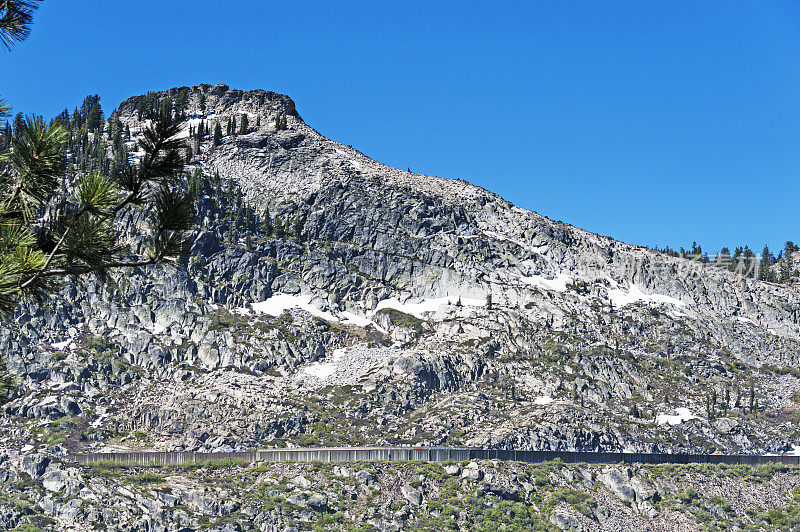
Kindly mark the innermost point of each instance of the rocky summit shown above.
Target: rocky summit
(329, 299)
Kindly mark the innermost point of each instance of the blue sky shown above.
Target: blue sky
(657, 123)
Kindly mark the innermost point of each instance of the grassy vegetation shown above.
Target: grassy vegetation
(407, 321)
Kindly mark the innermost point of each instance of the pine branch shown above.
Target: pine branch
(16, 17)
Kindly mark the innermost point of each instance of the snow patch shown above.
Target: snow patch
(542, 401)
(99, 421)
(634, 293)
(681, 415)
(558, 284)
(427, 306)
(62, 345)
(539, 250)
(319, 370)
(280, 303)
(794, 452)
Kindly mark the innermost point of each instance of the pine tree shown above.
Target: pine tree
(488, 301)
(727, 399)
(723, 259)
(217, 134)
(765, 265)
(266, 223)
(182, 102)
(16, 17)
(280, 232)
(244, 125)
(297, 229)
(229, 128)
(202, 102)
(258, 122)
(787, 264)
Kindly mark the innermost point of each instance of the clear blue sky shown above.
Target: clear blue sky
(656, 122)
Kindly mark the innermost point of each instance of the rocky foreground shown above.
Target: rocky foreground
(39, 492)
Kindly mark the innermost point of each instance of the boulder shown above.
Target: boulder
(411, 494)
(365, 477)
(452, 470)
(35, 464)
(318, 502)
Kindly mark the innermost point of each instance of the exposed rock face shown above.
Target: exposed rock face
(400, 308)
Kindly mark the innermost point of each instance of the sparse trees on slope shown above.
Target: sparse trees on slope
(45, 235)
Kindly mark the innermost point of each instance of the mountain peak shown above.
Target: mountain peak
(221, 99)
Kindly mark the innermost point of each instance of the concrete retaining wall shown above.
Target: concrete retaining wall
(433, 454)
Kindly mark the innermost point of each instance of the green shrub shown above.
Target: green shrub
(144, 479)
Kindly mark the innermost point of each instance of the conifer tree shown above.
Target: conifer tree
(217, 134)
(202, 102)
(787, 264)
(723, 259)
(297, 229)
(182, 102)
(244, 126)
(767, 260)
(266, 223)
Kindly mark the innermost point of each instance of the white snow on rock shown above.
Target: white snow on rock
(794, 452)
(319, 370)
(427, 306)
(681, 415)
(280, 303)
(558, 284)
(355, 319)
(542, 401)
(62, 345)
(97, 423)
(500, 236)
(620, 297)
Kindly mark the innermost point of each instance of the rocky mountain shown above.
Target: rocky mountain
(330, 299)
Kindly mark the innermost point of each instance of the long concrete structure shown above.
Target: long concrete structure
(426, 454)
